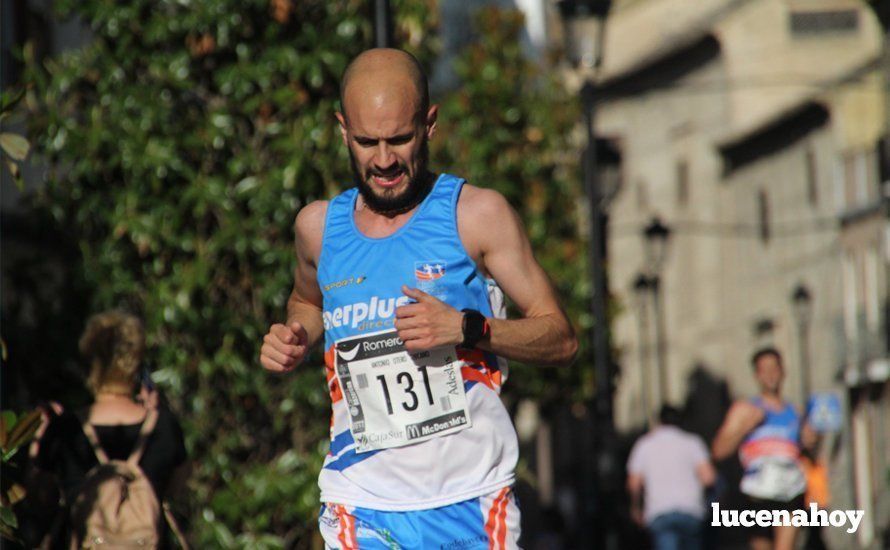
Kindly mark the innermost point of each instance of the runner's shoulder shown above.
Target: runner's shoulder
(311, 217)
(742, 407)
(309, 229)
(482, 203)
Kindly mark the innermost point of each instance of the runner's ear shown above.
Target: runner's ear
(341, 119)
(431, 118)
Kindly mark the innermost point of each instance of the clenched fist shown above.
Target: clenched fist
(284, 347)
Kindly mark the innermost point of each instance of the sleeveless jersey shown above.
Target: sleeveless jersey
(770, 456)
(361, 279)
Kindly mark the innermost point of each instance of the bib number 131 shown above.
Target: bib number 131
(406, 382)
(396, 398)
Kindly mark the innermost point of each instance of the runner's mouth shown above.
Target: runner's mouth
(388, 181)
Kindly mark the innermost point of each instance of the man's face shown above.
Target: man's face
(388, 148)
(769, 373)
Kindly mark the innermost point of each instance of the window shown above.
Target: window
(883, 159)
(813, 23)
(850, 304)
(763, 215)
(850, 182)
(861, 181)
(860, 178)
(871, 276)
(839, 185)
(642, 195)
(682, 183)
(811, 175)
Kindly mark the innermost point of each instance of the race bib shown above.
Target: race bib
(774, 479)
(397, 398)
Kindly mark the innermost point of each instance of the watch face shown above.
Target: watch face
(474, 328)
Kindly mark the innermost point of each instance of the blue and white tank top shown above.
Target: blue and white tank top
(770, 455)
(361, 279)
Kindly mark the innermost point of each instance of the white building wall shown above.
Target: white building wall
(656, 131)
(720, 279)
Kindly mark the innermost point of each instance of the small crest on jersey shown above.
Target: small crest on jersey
(429, 270)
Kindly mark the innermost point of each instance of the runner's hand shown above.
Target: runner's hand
(428, 322)
(284, 347)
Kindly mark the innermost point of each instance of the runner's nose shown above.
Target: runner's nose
(384, 157)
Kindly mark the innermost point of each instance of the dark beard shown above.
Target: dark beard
(387, 204)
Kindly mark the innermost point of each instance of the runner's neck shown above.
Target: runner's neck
(773, 401)
(379, 225)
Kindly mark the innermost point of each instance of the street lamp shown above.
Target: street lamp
(802, 305)
(655, 237)
(642, 286)
(584, 23)
(382, 24)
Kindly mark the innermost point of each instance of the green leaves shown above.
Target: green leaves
(508, 127)
(14, 148)
(16, 431)
(182, 142)
(14, 145)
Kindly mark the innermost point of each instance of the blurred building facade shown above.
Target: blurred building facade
(753, 130)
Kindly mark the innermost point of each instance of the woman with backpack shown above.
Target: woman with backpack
(116, 461)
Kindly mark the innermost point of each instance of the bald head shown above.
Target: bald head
(384, 71)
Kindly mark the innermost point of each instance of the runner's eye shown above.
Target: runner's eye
(400, 140)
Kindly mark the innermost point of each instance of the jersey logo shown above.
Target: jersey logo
(429, 271)
(343, 283)
(348, 355)
(376, 313)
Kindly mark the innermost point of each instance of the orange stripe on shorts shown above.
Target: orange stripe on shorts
(494, 515)
(347, 528)
(502, 533)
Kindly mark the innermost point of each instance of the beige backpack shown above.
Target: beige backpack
(117, 507)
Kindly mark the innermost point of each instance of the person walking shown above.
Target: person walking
(667, 473)
(115, 428)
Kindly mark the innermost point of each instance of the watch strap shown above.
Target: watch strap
(475, 328)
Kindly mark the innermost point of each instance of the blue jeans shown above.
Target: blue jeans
(676, 531)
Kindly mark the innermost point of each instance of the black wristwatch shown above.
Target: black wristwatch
(475, 328)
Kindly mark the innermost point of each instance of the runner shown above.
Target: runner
(768, 434)
(403, 275)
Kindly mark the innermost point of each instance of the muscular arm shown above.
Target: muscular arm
(305, 302)
(543, 335)
(286, 345)
(740, 420)
(493, 235)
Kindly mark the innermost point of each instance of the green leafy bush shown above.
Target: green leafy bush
(508, 127)
(16, 432)
(180, 144)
